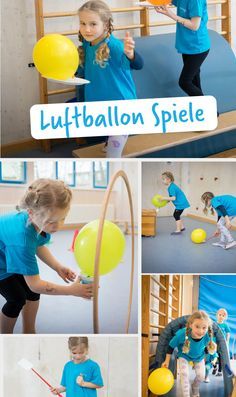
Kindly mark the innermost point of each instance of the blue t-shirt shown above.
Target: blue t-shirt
(111, 82)
(187, 40)
(209, 358)
(229, 202)
(224, 328)
(197, 349)
(19, 241)
(180, 201)
(90, 372)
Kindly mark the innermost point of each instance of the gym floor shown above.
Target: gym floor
(165, 253)
(68, 314)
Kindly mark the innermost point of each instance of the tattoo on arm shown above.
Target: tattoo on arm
(49, 288)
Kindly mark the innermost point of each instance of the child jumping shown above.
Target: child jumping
(23, 235)
(225, 206)
(178, 198)
(81, 375)
(106, 62)
(192, 40)
(191, 343)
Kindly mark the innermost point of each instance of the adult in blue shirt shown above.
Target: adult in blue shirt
(192, 40)
(225, 207)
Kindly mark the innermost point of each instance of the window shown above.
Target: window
(100, 174)
(65, 171)
(44, 169)
(13, 172)
(81, 174)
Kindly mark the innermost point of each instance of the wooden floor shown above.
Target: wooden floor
(143, 144)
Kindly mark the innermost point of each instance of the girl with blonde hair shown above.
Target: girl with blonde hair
(23, 235)
(192, 342)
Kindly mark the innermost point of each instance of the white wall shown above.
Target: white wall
(117, 357)
(202, 178)
(20, 83)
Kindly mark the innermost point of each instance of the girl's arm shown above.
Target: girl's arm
(167, 361)
(90, 385)
(172, 198)
(65, 273)
(45, 287)
(192, 24)
(56, 390)
(129, 46)
(227, 337)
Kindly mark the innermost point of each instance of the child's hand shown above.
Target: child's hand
(80, 380)
(129, 46)
(82, 290)
(163, 10)
(55, 390)
(66, 274)
(165, 364)
(216, 233)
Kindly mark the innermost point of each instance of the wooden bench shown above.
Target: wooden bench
(140, 145)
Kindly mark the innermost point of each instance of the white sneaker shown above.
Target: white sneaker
(230, 245)
(219, 244)
(207, 380)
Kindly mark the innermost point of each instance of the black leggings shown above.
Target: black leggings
(177, 214)
(189, 79)
(16, 292)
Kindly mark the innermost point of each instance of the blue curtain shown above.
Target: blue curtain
(217, 292)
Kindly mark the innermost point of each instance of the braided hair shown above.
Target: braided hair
(103, 51)
(199, 315)
(205, 198)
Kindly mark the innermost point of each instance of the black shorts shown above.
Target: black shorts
(16, 292)
(177, 214)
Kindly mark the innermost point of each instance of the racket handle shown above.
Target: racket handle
(44, 380)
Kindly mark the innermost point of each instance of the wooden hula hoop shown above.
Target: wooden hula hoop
(117, 175)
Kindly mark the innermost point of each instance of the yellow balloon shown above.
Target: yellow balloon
(161, 381)
(198, 236)
(56, 57)
(157, 202)
(112, 247)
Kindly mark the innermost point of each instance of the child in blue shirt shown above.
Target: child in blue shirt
(81, 376)
(225, 207)
(221, 317)
(192, 40)
(106, 62)
(178, 198)
(210, 362)
(23, 235)
(191, 343)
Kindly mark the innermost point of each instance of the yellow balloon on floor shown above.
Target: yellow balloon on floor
(161, 381)
(112, 247)
(198, 236)
(56, 57)
(159, 2)
(157, 202)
